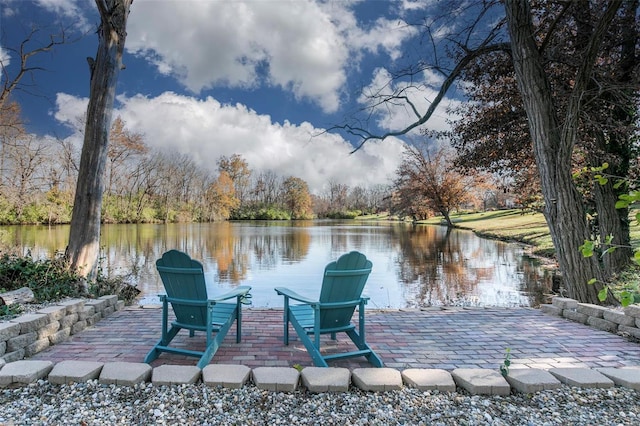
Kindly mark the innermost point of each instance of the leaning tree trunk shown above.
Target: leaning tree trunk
(84, 236)
(553, 143)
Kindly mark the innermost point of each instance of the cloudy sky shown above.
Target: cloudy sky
(259, 78)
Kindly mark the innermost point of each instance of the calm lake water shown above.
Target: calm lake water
(413, 265)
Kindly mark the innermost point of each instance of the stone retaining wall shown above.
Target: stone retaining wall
(622, 321)
(28, 334)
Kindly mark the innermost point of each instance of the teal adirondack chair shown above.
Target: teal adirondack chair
(341, 292)
(183, 279)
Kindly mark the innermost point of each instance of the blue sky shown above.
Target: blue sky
(259, 78)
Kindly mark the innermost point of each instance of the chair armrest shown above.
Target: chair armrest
(184, 302)
(236, 292)
(282, 291)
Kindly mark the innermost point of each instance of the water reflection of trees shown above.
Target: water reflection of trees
(438, 266)
(423, 265)
(432, 266)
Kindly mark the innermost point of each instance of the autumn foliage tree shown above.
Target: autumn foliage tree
(297, 198)
(222, 199)
(426, 182)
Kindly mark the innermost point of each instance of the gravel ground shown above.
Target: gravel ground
(92, 403)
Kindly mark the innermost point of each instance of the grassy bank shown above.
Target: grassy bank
(507, 225)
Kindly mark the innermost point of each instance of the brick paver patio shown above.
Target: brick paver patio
(447, 339)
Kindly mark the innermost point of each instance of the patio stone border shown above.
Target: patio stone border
(28, 334)
(624, 321)
(476, 381)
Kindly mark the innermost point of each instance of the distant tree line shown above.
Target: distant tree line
(145, 185)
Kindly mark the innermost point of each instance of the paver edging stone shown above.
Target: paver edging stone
(480, 381)
(281, 379)
(429, 379)
(331, 379)
(66, 372)
(167, 375)
(476, 381)
(377, 379)
(531, 380)
(226, 375)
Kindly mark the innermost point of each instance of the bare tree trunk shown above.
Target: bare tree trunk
(553, 143)
(84, 236)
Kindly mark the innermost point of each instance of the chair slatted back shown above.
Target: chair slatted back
(183, 278)
(344, 281)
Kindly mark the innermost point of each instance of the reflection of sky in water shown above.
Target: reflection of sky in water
(413, 266)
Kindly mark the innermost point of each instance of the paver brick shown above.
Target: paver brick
(175, 375)
(66, 372)
(619, 318)
(281, 379)
(582, 377)
(602, 324)
(13, 356)
(125, 373)
(21, 341)
(54, 312)
(377, 379)
(319, 379)
(629, 377)
(24, 372)
(575, 316)
(429, 379)
(37, 346)
(8, 330)
(226, 375)
(531, 380)
(73, 305)
(31, 322)
(564, 303)
(480, 381)
(49, 329)
(591, 310)
(633, 310)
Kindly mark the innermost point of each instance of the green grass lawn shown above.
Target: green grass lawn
(507, 225)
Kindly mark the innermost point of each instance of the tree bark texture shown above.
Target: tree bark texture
(553, 143)
(84, 236)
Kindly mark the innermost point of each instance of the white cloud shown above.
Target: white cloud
(206, 130)
(302, 46)
(293, 45)
(71, 9)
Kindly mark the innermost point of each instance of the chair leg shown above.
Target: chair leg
(372, 357)
(286, 321)
(214, 344)
(312, 349)
(238, 321)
